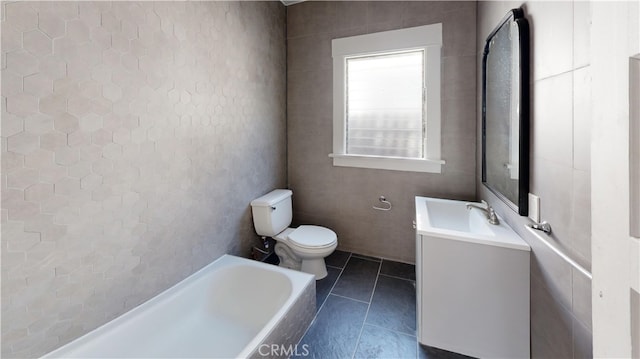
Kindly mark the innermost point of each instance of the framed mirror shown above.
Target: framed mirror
(505, 111)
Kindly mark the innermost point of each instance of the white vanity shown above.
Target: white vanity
(472, 281)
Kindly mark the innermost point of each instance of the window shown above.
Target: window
(387, 100)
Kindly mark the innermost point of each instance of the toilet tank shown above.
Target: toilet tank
(272, 212)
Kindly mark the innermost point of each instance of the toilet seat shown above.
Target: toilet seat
(312, 237)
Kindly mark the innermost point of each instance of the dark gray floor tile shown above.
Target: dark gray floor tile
(376, 259)
(337, 259)
(426, 352)
(397, 269)
(324, 285)
(334, 333)
(358, 279)
(381, 343)
(394, 305)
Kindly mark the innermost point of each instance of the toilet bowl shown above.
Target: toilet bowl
(303, 248)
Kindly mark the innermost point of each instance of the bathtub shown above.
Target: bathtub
(233, 307)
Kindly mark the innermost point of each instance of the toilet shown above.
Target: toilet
(303, 248)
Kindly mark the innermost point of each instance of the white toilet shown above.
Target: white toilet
(303, 248)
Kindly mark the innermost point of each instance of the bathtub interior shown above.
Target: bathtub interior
(224, 310)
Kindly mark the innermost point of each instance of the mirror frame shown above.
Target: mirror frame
(517, 16)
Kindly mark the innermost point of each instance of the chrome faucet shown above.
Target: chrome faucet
(492, 217)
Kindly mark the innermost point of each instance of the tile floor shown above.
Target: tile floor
(366, 308)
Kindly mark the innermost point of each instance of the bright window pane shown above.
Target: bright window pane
(385, 112)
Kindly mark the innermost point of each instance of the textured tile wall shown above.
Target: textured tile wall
(342, 198)
(560, 169)
(134, 136)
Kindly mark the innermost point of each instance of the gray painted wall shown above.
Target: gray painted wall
(342, 198)
(560, 170)
(134, 136)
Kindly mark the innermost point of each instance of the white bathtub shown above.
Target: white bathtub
(228, 309)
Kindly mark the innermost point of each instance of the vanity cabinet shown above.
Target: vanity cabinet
(472, 282)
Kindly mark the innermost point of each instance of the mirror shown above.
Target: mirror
(505, 111)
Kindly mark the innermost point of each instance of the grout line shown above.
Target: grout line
(315, 316)
(334, 285)
(367, 258)
(391, 330)
(532, 81)
(355, 350)
(396, 277)
(355, 300)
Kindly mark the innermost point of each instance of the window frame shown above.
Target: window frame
(427, 38)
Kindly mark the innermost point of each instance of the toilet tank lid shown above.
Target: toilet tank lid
(271, 198)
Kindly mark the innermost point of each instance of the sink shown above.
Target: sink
(452, 219)
(454, 216)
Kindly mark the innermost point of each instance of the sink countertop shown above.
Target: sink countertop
(451, 219)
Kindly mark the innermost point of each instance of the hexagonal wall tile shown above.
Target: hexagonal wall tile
(67, 186)
(129, 61)
(52, 174)
(53, 67)
(77, 31)
(37, 43)
(23, 241)
(21, 15)
(90, 53)
(90, 122)
(51, 24)
(11, 162)
(102, 167)
(90, 12)
(38, 192)
(55, 104)
(38, 159)
(78, 139)
(11, 38)
(110, 22)
(52, 140)
(101, 37)
(122, 136)
(22, 178)
(66, 10)
(91, 181)
(66, 156)
(112, 151)
(22, 62)
(38, 124)
(22, 104)
(11, 83)
(23, 143)
(90, 153)
(111, 92)
(11, 124)
(66, 123)
(101, 137)
(79, 170)
(90, 88)
(38, 84)
(79, 105)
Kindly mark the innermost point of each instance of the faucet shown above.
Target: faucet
(491, 214)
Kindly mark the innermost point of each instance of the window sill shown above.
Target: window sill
(388, 163)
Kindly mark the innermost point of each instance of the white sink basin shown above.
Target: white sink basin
(453, 220)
